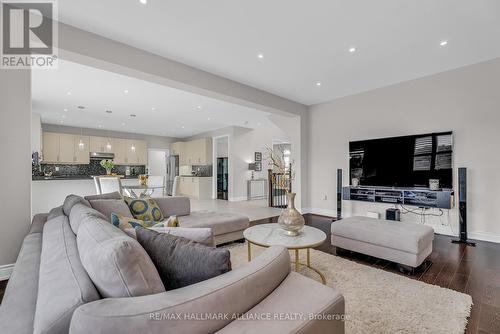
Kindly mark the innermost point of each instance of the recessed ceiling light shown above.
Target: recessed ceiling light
(443, 43)
(318, 83)
(65, 109)
(126, 91)
(100, 125)
(69, 93)
(260, 56)
(144, 2)
(123, 123)
(63, 116)
(133, 115)
(208, 118)
(153, 108)
(81, 107)
(198, 107)
(109, 111)
(183, 127)
(351, 50)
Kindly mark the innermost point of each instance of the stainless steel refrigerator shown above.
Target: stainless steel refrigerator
(172, 172)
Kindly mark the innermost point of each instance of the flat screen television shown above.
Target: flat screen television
(407, 161)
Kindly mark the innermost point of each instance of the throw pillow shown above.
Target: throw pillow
(108, 206)
(124, 223)
(144, 209)
(182, 262)
(116, 263)
(172, 221)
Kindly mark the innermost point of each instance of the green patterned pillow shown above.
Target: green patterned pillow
(123, 222)
(144, 209)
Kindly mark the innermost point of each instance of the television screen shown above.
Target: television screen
(408, 161)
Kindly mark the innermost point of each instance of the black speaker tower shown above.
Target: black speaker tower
(339, 194)
(462, 208)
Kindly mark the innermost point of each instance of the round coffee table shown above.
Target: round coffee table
(267, 235)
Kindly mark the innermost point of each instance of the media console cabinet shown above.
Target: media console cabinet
(421, 197)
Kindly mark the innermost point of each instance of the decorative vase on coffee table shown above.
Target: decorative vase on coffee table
(290, 219)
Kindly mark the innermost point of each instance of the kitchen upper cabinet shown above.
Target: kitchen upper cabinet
(65, 148)
(50, 147)
(177, 148)
(120, 151)
(81, 148)
(194, 152)
(101, 144)
(136, 152)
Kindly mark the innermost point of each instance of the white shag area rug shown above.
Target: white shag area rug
(378, 301)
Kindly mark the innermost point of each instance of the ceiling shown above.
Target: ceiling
(302, 42)
(159, 110)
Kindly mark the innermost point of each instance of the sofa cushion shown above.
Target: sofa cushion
(55, 212)
(174, 205)
(182, 262)
(108, 206)
(17, 311)
(79, 213)
(113, 195)
(116, 263)
(144, 209)
(70, 201)
(63, 284)
(219, 222)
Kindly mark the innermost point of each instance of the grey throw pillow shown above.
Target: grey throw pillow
(181, 262)
(109, 206)
(114, 195)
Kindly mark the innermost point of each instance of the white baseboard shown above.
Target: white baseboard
(6, 271)
(484, 236)
(237, 199)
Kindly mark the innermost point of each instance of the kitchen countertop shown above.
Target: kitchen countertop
(74, 177)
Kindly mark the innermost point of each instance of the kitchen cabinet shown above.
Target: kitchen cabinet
(196, 187)
(120, 151)
(50, 147)
(101, 144)
(194, 152)
(82, 154)
(136, 152)
(65, 148)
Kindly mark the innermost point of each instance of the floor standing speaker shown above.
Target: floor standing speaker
(339, 193)
(462, 208)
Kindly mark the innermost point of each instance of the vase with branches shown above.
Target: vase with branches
(290, 219)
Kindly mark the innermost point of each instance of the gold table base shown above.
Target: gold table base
(297, 263)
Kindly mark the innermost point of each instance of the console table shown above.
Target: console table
(421, 197)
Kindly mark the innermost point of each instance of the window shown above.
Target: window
(433, 152)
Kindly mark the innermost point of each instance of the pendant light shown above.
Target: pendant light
(81, 144)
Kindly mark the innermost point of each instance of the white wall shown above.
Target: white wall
(36, 132)
(151, 141)
(243, 143)
(15, 169)
(465, 101)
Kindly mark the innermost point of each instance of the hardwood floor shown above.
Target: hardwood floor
(471, 270)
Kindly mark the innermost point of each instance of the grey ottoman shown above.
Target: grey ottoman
(404, 243)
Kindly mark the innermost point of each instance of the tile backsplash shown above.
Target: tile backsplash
(93, 168)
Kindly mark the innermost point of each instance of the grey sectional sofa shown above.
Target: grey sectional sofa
(226, 226)
(50, 291)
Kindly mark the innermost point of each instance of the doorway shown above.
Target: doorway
(221, 172)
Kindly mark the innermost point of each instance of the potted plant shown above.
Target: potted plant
(290, 218)
(108, 165)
